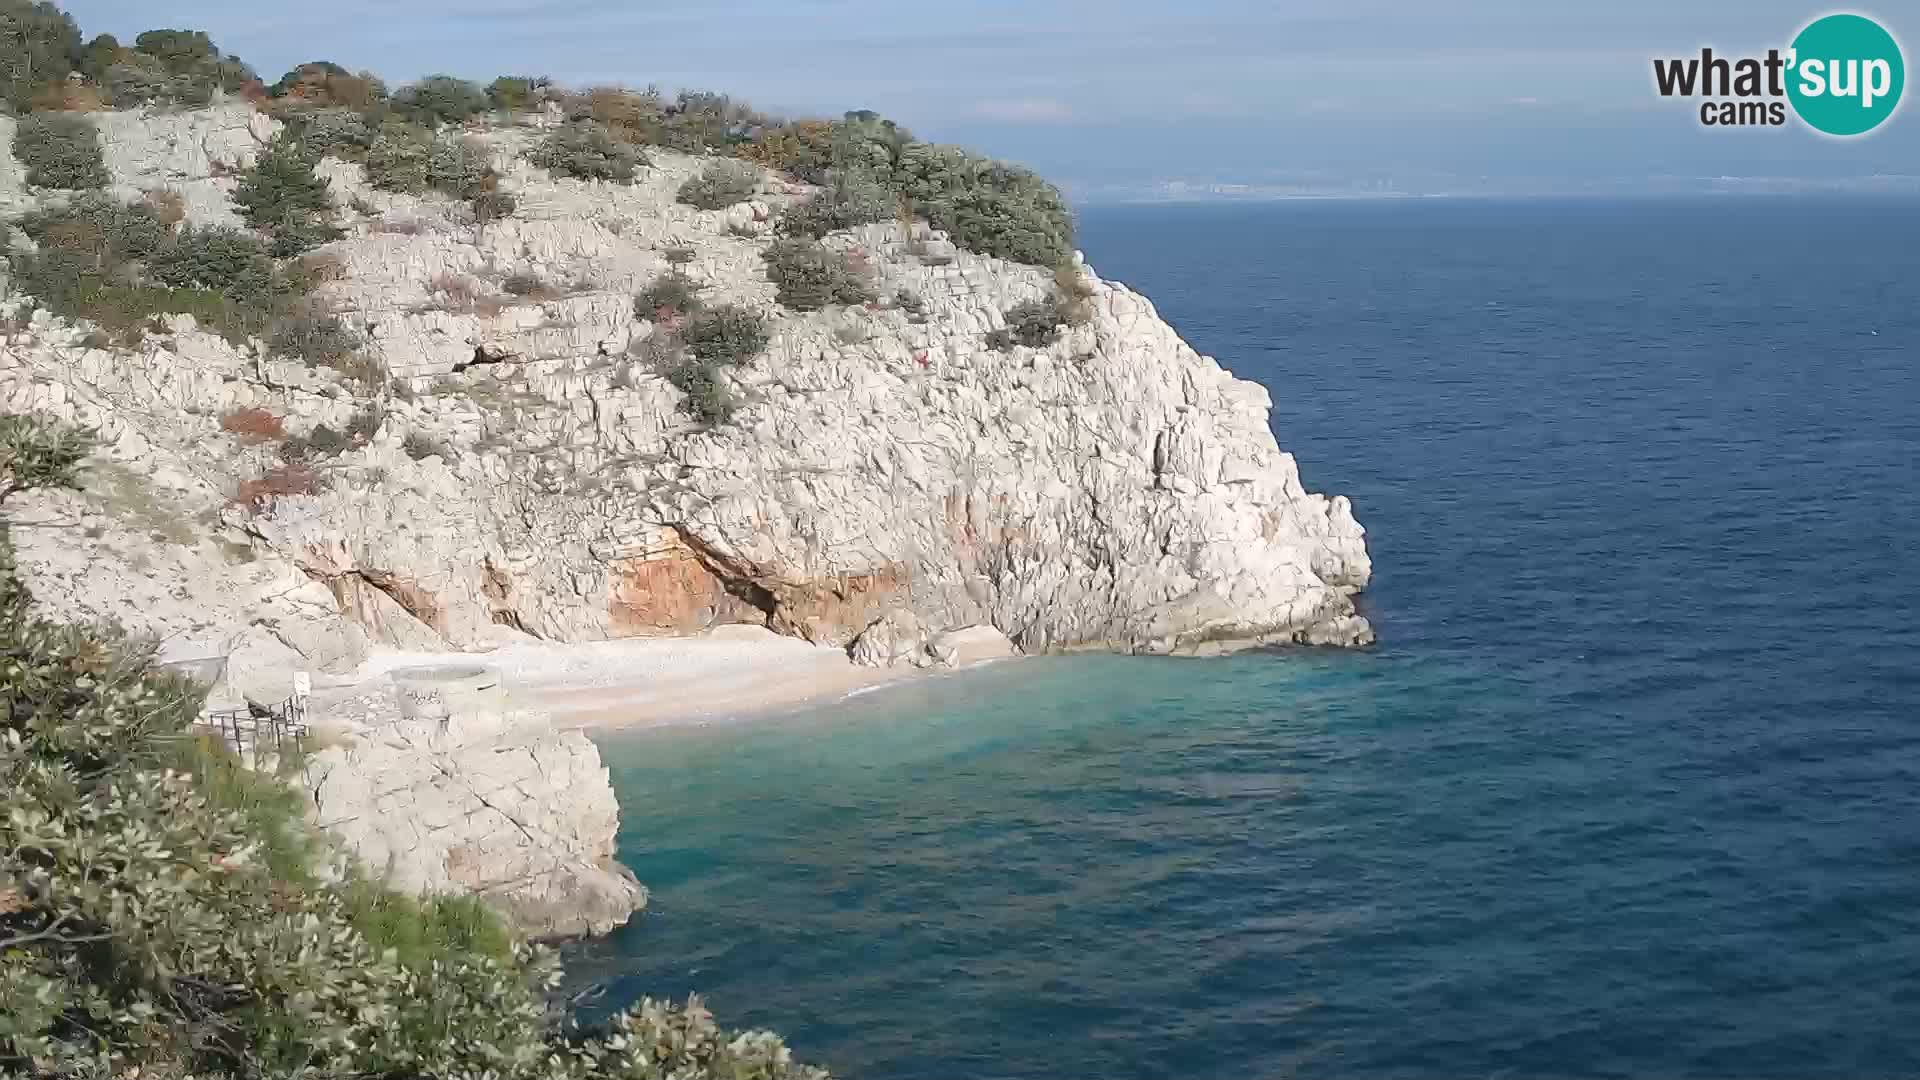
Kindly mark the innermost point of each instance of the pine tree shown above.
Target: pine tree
(283, 197)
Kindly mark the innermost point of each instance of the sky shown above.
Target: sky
(1132, 98)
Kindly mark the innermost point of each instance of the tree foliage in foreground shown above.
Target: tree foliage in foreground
(160, 914)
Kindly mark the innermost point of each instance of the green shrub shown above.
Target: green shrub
(333, 131)
(399, 159)
(1035, 324)
(318, 444)
(412, 160)
(137, 80)
(39, 42)
(678, 256)
(699, 123)
(60, 150)
(722, 184)
(282, 197)
(672, 293)
(802, 150)
(324, 84)
(320, 339)
(848, 200)
(696, 357)
(635, 117)
(439, 99)
(987, 206)
(88, 266)
(35, 455)
(97, 55)
(587, 150)
(809, 277)
(100, 226)
(493, 206)
(216, 257)
(160, 914)
(866, 142)
(709, 399)
(169, 68)
(517, 93)
(177, 50)
(124, 308)
(910, 303)
(726, 334)
(460, 167)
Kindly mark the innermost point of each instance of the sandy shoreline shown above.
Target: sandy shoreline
(729, 672)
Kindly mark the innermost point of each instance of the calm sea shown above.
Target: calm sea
(1631, 786)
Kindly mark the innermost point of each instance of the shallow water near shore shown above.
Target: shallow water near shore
(1631, 787)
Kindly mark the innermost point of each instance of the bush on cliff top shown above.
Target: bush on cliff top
(986, 206)
(60, 150)
(721, 184)
(587, 150)
(326, 85)
(39, 42)
(439, 99)
(412, 160)
(160, 913)
(846, 201)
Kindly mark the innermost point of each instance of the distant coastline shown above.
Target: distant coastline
(1208, 192)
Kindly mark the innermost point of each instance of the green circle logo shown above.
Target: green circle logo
(1846, 74)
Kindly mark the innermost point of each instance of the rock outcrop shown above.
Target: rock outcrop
(890, 483)
(888, 475)
(462, 794)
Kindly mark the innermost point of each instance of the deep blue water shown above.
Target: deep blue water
(1630, 787)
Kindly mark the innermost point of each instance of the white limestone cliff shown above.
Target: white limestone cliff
(448, 789)
(889, 479)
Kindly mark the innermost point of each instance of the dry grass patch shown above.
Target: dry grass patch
(167, 205)
(254, 425)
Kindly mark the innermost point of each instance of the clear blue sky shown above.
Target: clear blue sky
(1427, 95)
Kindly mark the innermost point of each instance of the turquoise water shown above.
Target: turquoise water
(1631, 786)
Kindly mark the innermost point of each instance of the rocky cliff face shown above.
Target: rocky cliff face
(448, 789)
(889, 477)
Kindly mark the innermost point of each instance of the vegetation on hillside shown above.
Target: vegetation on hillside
(163, 911)
(60, 150)
(587, 150)
(44, 64)
(283, 198)
(722, 184)
(868, 165)
(807, 276)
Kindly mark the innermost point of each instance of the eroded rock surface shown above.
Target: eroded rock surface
(1114, 489)
(462, 793)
